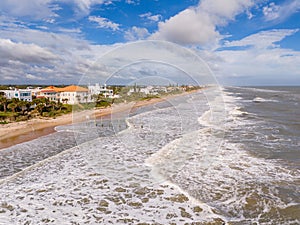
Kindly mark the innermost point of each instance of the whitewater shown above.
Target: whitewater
(193, 159)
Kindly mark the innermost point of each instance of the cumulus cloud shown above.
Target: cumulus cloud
(83, 7)
(187, 27)
(263, 39)
(47, 9)
(197, 25)
(52, 58)
(59, 43)
(132, 2)
(104, 23)
(33, 77)
(19, 61)
(28, 53)
(149, 16)
(136, 33)
(263, 62)
(271, 11)
(38, 9)
(277, 13)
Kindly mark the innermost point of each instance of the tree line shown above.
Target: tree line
(17, 110)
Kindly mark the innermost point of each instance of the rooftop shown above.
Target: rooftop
(71, 88)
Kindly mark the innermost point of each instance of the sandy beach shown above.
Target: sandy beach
(19, 132)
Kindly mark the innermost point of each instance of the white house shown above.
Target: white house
(99, 89)
(21, 94)
(148, 90)
(73, 95)
(49, 93)
(70, 95)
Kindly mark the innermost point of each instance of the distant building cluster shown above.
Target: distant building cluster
(70, 95)
(153, 90)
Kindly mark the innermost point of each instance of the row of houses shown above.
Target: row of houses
(71, 94)
(154, 90)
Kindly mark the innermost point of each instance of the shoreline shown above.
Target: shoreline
(20, 132)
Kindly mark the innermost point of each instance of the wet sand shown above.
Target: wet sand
(19, 132)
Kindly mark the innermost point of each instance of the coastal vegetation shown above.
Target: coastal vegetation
(17, 110)
(14, 110)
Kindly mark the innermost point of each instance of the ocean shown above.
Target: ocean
(226, 155)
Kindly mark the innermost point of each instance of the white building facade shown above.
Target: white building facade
(99, 89)
(21, 94)
(73, 97)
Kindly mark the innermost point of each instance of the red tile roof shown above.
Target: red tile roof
(71, 88)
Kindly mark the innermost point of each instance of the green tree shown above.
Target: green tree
(85, 98)
(3, 102)
(12, 106)
(23, 106)
(40, 104)
(40, 108)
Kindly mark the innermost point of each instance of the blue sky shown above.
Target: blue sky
(244, 42)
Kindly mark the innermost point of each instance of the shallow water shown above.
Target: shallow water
(237, 162)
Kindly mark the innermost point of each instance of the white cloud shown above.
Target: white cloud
(149, 16)
(187, 27)
(277, 13)
(222, 12)
(104, 23)
(33, 77)
(265, 67)
(249, 14)
(37, 9)
(197, 25)
(53, 58)
(59, 43)
(18, 59)
(28, 53)
(263, 62)
(47, 9)
(50, 20)
(271, 11)
(83, 7)
(71, 31)
(136, 33)
(132, 2)
(263, 39)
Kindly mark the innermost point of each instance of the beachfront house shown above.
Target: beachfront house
(73, 95)
(147, 90)
(21, 94)
(99, 89)
(35, 91)
(69, 95)
(49, 93)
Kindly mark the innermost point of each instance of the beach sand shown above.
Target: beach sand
(19, 132)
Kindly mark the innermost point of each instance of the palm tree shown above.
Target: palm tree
(94, 97)
(38, 101)
(65, 100)
(3, 101)
(85, 98)
(12, 106)
(23, 106)
(40, 108)
(100, 97)
(78, 98)
(59, 105)
(40, 104)
(52, 104)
